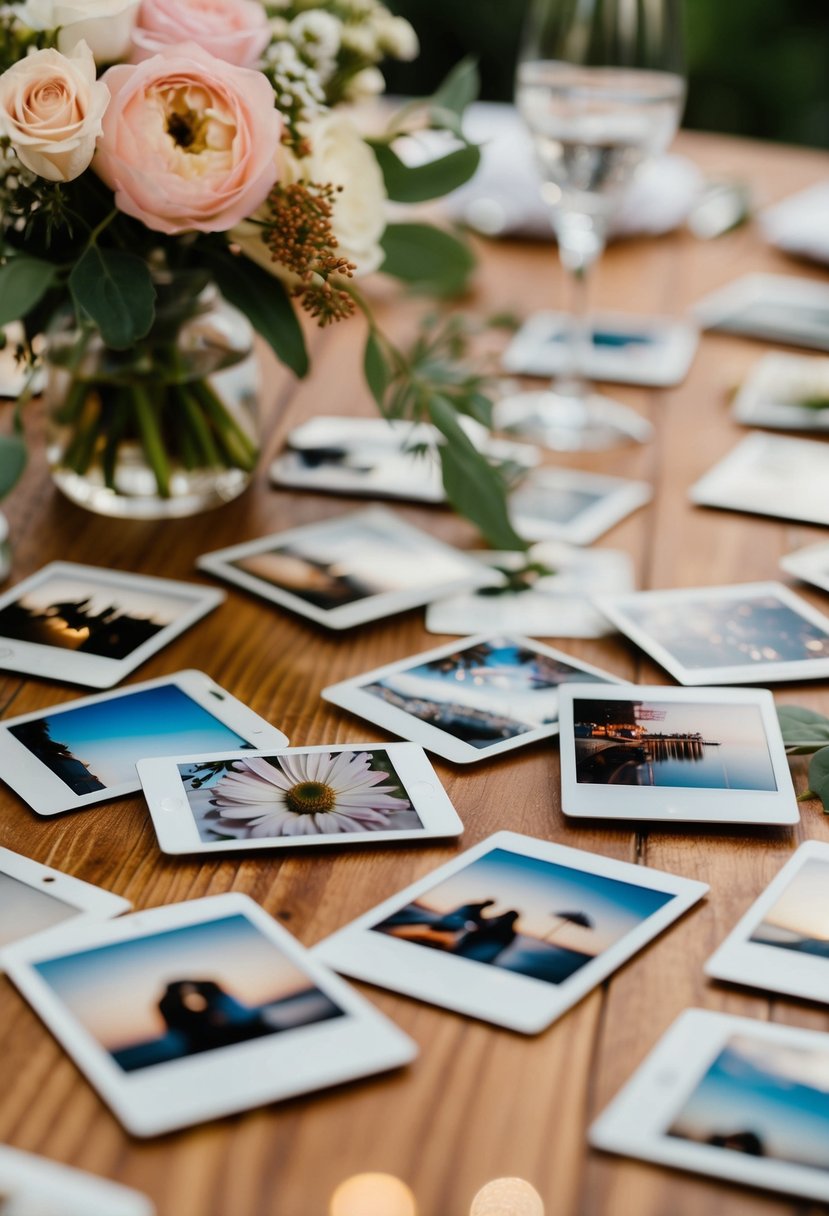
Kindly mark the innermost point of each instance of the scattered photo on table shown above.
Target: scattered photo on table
(34, 1186)
(85, 751)
(787, 392)
(741, 634)
(770, 475)
(514, 931)
(627, 349)
(186, 1012)
(810, 564)
(297, 797)
(661, 753)
(575, 507)
(34, 898)
(545, 592)
(771, 307)
(93, 626)
(782, 942)
(733, 1098)
(379, 458)
(349, 570)
(470, 700)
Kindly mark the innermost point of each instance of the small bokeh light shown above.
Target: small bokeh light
(507, 1197)
(373, 1195)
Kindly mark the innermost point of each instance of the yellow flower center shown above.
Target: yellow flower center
(310, 798)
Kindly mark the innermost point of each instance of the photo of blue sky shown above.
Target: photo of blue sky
(106, 739)
(763, 1099)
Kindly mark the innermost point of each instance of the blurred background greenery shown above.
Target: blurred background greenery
(757, 68)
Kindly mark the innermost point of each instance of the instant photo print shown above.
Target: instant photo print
(623, 348)
(771, 307)
(88, 625)
(742, 634)
(358, 793)
(575, 507)
(468, 700)
(770, 475)
(685, 755)
(188, 1012)
(348, 570)
(545, 592)
(732, 1098)
(782, 942)
(810, 564)
(515, 931)
(85, 751)
(35, 898)
(33, 1186)
(786, 392)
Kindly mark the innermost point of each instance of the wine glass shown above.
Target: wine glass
(599, 86)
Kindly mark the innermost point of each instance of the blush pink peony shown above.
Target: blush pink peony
(235, 30)
(189, 141)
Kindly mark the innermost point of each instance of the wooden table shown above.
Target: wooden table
(479, 1102)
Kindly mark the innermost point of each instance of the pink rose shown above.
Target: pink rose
(189, 141)
(235, 30)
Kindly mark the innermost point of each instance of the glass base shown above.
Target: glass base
(190, 492)
(570, 423)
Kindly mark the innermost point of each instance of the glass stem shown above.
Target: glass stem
(572, 381)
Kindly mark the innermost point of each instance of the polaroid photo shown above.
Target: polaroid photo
(545, 592)
(93, 626)
(85, 751)
(740, 634)
(377, 458)
(685, 755)
(771, 307)
(571, 506)
(33, 1186)
(797, 225)
(810, 564)
(34, 898)
(787, 392)
(782, 942)
(730, 1097)
(360, 793)
(349, 570)
(515, 931)
(184, 1013)
(770, 475)
(623, 348)
(468, 700)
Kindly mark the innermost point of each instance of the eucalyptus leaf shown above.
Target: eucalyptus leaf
(459, 88)
(419, 183)
(23, 283)
(819, 776)
(802, 728)
(115, 289)
(427, 258)
(12, 462)
(377, 371)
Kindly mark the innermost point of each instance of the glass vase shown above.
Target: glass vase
(168, 427)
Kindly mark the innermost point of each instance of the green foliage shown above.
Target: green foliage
(12, 461)
(24, 281)
(115, 291)
(417, 183)
(806, 732)
(427, 258)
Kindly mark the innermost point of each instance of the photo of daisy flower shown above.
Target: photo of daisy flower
(313, 793)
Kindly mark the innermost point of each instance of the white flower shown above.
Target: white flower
(311, 795)
(317, 33)
(361, 40)
(368, 83)
(51, 107)
(396, 37)
(106, 25)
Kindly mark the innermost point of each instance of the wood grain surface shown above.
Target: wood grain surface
(479, 1102)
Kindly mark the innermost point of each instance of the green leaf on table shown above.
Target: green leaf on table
(24, 281)
(473, 486)
(427, 258)
(12, 462)
(459, 88)
(819, 776)
(115, 290)
(377, 371)
(264, 301)
(419, 183)
(803, 730)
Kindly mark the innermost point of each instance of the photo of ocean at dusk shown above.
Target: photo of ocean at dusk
(799, 920)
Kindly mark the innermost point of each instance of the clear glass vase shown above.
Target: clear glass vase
(168, 427)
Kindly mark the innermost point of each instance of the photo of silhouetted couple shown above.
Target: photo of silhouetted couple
(524, 914)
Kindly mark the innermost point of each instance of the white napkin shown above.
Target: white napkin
(503, 198)
(800, 224)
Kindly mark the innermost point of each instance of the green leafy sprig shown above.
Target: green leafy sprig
(806, 733)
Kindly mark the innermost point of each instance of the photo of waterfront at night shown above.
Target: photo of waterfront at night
(668, 743)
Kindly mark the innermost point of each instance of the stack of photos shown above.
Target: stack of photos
(770, 475)
(726, 635)
(567, 505)
(790, 392)
(810, 564)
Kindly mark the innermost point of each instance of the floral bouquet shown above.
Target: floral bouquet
(175, 172)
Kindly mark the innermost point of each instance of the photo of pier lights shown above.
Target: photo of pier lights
(668, 743)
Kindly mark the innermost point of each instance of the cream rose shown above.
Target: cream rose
(51, 109)
(106, 25)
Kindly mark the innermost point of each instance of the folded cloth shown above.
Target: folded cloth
(800, 224)
(503, 198)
